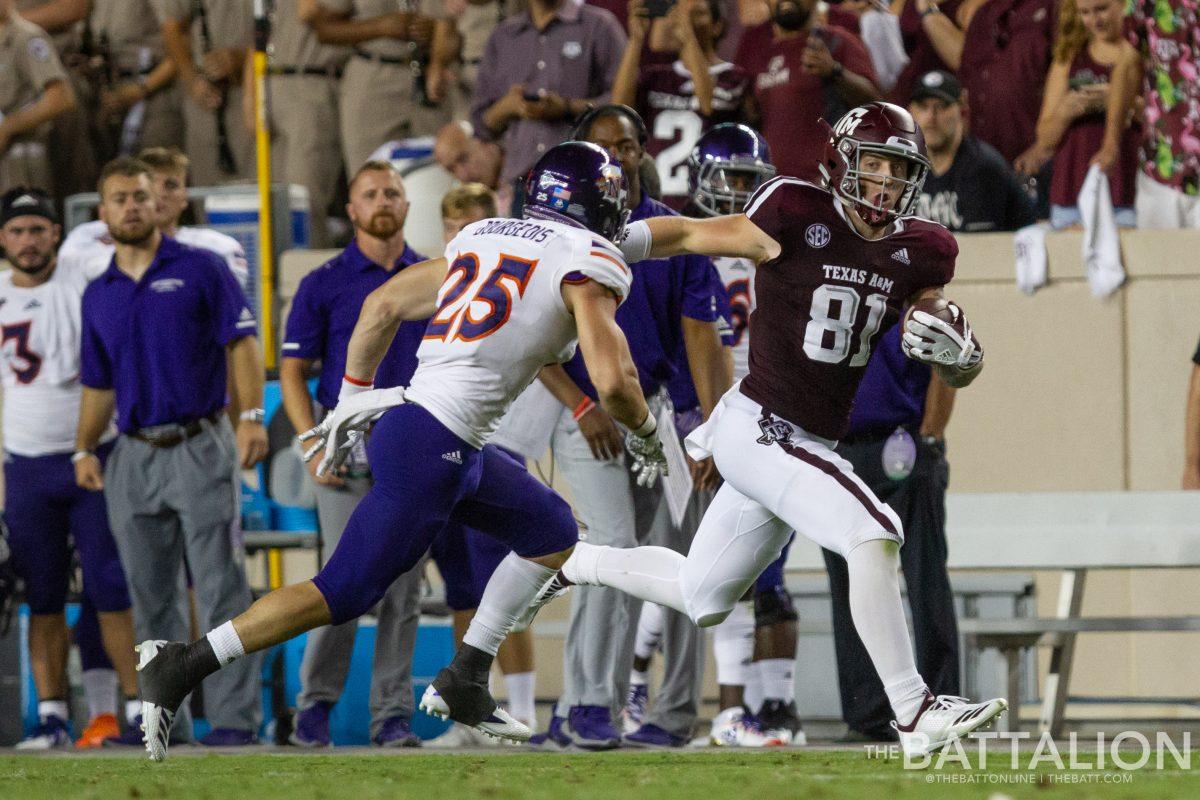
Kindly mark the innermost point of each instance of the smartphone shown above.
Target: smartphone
(658, 8)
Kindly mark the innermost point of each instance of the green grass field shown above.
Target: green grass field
(531, 776)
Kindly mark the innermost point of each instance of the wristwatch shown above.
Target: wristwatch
(253, 415)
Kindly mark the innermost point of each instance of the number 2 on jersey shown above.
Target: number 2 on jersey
(829, 334)
(456, 315)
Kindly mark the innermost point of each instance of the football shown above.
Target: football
(941, 308)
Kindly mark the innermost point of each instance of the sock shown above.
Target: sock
(513, 586)
(778, 677)
(733, 646)
(875, 606)
(639, 678)
(752, 695)
(133, 707)
(650, 573)
(520, 687)
(226, 644)
(649, 631)
(53, 708)
(100, 690)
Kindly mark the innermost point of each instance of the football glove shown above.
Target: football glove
(343, 428)
(8, 581)
(649, 461)
(935, 341)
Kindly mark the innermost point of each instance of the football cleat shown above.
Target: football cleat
(498, 723)
(780, 722)
(733, 727)
(943, 719)
(634, 711)
(102, 727)
(461, 737)
(163, 688)
(555, 587)
(52, 733)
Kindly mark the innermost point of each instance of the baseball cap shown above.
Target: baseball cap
(24, 201)
(940, 84)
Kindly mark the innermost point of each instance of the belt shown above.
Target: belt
(396, 60)
(323, 72)
(171, 435)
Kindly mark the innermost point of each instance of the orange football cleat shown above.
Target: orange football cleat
(98, 730)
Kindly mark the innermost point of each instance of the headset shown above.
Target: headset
(579, 132)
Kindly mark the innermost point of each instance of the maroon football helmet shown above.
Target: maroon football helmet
(883, 129)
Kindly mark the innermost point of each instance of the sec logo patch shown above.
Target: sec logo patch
(817, 235)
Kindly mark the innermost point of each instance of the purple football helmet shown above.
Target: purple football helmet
(578, 182)
(727, 165)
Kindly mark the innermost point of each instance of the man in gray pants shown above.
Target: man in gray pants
(324, 312)
(159, 328)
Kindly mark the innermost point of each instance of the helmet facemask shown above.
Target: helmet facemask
(849, 187)
(724, 186)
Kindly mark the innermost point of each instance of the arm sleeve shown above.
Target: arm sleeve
(940, 259)
(40, 62)
(597, 260)
(307, 322)
(95, 368)
(699, 281)
(232, 316)
(765, 207)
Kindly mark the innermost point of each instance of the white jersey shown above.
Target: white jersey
(737, 275)
(501, 317)
(40, 360)
(91, 246)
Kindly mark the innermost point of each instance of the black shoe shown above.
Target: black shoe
(780, 720)
(460, 692)
(853, 736)
(165, 679)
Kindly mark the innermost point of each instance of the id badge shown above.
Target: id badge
(899, 455)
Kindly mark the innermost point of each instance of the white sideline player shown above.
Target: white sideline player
(510, 297)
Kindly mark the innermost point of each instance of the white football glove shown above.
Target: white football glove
(343, 428)
(649, 461)
(934, 341)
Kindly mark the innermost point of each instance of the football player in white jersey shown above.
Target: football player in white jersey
(92, 245)
(39, 366)
(508, 297)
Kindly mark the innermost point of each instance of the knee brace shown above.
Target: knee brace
(773, 606)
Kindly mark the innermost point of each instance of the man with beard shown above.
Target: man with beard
(45, 510)
(805, 73)
(160, 329)
(324, 311)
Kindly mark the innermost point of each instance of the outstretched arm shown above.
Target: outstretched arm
(606, 353)
(410, 295)
(734, 236)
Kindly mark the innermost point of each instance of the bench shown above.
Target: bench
(1072, 532)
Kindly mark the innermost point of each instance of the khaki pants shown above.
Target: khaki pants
(305, 142)
(377, 106)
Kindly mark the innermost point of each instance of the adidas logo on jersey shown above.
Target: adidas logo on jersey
(454, 456)
(901, 255)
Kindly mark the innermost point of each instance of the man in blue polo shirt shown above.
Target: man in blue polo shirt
(670, 308)
(324, 312)
(897, 446)
(159, 327)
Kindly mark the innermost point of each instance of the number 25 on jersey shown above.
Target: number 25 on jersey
(471, 310)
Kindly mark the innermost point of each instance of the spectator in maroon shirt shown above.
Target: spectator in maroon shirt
(804, 73)
(1070, 130)
(1001, 51)
(922, 55)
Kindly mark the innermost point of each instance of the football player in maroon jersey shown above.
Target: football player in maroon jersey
(836, 264)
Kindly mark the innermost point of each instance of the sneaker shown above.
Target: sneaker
(555, 587)
(100, 728)
(312, 726)
(51, 733)
(635, 708)
(130, 737)
(735, 727)
(396, 732)
(163, 688)
(469, 703)
(780, 721)
(553, 738)
(943, 719)
(650, 735)
(591, 728)
(228, 737)
(464, 737)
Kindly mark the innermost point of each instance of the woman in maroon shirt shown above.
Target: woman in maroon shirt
(1089, 46)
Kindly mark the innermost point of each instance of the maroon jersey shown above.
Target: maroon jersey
(667, 101)
(822, 301)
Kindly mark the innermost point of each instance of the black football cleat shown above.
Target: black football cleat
(163, 685)
(457, 694)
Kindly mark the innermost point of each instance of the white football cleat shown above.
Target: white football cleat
(499, 724)
(461, 737)
(943, 719)
(156, 720)
(733, 727)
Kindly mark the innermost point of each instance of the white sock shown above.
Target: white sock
(132, 709)
(733, 646)
(752, 695)
(56, 708)
(511, 589)
(520, 686)
(100, 691)
(650, 573)
(649, 630)
(639, 678)
(778, 676)
(875, 606)
(226, 644)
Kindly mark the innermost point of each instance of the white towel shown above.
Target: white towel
(1101, 242)
(1029, 249)
(881, 34)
